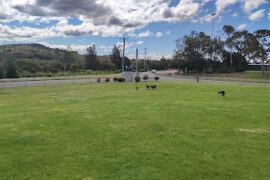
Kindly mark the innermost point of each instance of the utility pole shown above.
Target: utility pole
(137, 59)
(124, 48)
(145, 58)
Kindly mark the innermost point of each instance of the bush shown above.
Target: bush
(107, 80)
(40, 74)
(115, 79)
(49, 75)
(98, 80)
(26, 74)
(11, 69)
(137, 79)
(145, 77)
(121, 80)
(2, 75)
(157, 78)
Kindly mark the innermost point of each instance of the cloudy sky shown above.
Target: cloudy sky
(151, 24)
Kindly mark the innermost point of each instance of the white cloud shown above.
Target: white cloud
(99, 17)
(235, 14)
(221, 5)
(129, 44)
(257, 15)
(269, 15)
(8, 33)
(105, 17)
(159, 34)
(250, 5)
(150, 55)
(145, 34)
(158, 55)
(242, 27)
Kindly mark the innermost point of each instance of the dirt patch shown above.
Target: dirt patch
(87, 178)
(259, 130)
(30, 133)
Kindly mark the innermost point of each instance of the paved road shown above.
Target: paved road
(164, 76)
(75, 80)
(12, 83)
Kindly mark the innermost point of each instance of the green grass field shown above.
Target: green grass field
(112, 131)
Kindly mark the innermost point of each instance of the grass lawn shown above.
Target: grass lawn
(248, 75)
(112, 131)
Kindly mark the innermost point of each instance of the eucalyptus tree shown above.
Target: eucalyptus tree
(229, 30)
(116, 57)
(246, 44)
(91, 61)
(193, 51)
(263, 37)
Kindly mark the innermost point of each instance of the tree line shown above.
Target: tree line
(198, 52)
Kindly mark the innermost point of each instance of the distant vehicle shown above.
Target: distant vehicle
(154, 71)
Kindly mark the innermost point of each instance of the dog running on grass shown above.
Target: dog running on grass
(221, 93)
(151, 87)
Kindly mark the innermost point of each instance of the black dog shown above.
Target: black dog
(221, 93)
(153, 87)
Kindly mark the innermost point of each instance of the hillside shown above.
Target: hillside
(36, 60)
(33, 51)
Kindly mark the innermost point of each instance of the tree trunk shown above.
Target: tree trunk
(263, 69)
(231, 61)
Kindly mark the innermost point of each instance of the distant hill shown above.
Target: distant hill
(34, 51)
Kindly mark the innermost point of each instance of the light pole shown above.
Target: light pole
(137, 59)
(124, 48)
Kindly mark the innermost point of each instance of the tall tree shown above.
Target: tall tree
(11, 69)
(229, 30)
(263, 37)
(91, 61)
(69, 59)
(192, 51)
(2, 69)
(116, 57)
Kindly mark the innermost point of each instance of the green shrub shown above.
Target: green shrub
(26, 74)
(145, 77)
(49, 75)
(40, 74)
(11, 69)
(115, 79)
(121, 80)
(137, 79)
(2, 69)
(107, 80)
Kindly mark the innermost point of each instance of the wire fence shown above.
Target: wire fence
(241, 80)
(249, 78)
(5, 85)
